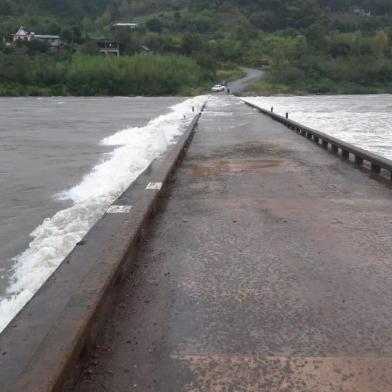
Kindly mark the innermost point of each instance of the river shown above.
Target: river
(363, 120)
(63, 161)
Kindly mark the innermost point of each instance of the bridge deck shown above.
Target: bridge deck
(270, 269)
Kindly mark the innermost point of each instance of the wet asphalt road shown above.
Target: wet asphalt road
(269, 269)
(252, 75)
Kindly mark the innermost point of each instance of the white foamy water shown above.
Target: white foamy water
(134, 149)
(363, 120)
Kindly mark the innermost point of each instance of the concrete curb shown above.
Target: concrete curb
(45, 340)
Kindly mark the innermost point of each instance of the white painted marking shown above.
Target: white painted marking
(115, 209)
(154, 185)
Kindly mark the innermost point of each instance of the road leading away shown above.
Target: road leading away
(268, 270)
(252, 75)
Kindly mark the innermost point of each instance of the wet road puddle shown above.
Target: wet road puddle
(216, 168)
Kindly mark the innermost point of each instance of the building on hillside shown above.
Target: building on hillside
(22, 35)
(361, 12)
(129, 26)
(53, 41)
(108, 47)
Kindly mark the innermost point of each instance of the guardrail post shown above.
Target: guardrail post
(334, 149)
(375, 168)
(324, 144)
(316, 139)
(287, 115)
(272, 109)
(345, 154)
(358, 160)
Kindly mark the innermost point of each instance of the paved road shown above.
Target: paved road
(269, 270)
(252, 75)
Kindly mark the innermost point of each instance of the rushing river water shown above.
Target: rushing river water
(363, 120)
(63, 161)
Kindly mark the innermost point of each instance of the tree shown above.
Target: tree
(34, 46)
(53, 28)
(190, 43)
(380, 43)
(5, 7)
(72, 34)
(315, 35)
(154, 25)
(105, 19)
(129, 41)
(89, 48)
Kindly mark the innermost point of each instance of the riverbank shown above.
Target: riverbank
(267, 88)
(325, 75)
(177, 75)
(83, 75)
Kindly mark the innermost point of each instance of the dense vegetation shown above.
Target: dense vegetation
(86, 75)
(314, 46)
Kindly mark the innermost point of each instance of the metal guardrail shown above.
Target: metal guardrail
(336, 146)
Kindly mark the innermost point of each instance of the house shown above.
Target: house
(361, 12)
(53, 41)
(22, 34)
(129, 26)
(108, 47)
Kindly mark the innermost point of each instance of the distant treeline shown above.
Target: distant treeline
(328, 63)
(85, 75)
(307, 46)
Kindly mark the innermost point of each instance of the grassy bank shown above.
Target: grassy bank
(141, 74)
(230, 74)
(328, 75)
(266, 88)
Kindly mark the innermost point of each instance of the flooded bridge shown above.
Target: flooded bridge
(246, 259)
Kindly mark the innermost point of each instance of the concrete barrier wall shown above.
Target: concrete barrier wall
(46, 338)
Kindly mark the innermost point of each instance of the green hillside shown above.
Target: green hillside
(315, 46)
(265, 14)
(268, 15)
